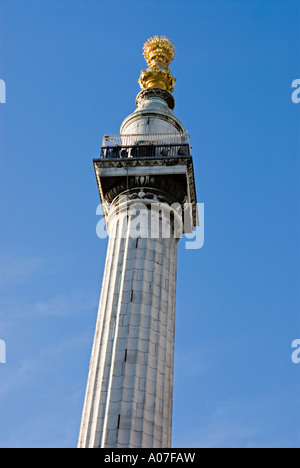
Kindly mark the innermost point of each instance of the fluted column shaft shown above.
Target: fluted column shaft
(130, 385)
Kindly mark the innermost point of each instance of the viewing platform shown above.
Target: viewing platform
(146, 145)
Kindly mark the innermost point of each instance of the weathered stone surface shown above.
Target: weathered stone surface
(131, 366)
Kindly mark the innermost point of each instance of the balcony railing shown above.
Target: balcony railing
(145, 146)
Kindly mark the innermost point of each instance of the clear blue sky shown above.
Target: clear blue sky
(71, 70)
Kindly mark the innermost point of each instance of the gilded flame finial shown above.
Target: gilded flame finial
(159, 50)
(159, 53)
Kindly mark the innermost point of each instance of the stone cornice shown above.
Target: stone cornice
(121, 175)
(155, 92)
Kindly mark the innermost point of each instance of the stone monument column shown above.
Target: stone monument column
(146, 185)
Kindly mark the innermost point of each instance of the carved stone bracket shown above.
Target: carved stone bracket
(142, 185)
